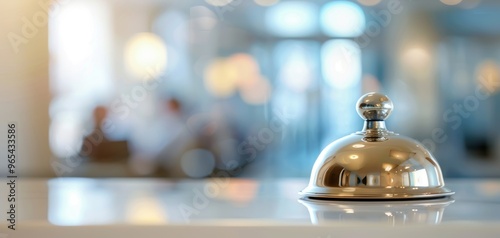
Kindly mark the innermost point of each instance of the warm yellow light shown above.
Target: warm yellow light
(387, 167)
(358, 146)
(239, 191)
(247, 67)
(417, 58)
(416, 54)
(221, 78)
(451, 2)
(145, 210)
(347, 210)
(400, 155)
(353, 157)
(266, 3)
(145, 55)
(487, 75)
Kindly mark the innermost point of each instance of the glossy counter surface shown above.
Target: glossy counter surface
(242, 207)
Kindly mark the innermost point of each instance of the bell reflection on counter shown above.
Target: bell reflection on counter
(393, 213)
(375, 163)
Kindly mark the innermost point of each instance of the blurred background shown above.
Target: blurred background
(254, 88)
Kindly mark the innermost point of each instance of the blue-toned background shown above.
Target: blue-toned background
(257, 88)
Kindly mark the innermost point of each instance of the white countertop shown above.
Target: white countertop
(81, 207)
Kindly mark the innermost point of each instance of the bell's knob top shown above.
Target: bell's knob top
(374, 107)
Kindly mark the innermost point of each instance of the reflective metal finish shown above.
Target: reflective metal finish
(394, 213)
(375, 163)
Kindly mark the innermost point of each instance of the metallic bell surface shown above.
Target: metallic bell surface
(375, 163)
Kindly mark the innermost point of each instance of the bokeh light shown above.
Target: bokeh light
(416, 58)
(342, 19)
(297, 64)
(488, 75)
(266, 3)
(145, 209)
(66, 134)
(369, 2)
(293, 18)
(297, 74)
(69, 202)
(218, 3)
(76, 26)
(341, 60)
(221, 78)
(145, 55)
(202, 18)
(247, 67)
(197, 163)
(240, 191)
(451, 2)
(256, 92)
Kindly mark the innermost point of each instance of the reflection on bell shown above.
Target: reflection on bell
(394, 213)
(375, 163)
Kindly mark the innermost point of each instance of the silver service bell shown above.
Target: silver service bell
(375, 163)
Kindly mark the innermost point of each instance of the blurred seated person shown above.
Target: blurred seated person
(97, 147)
